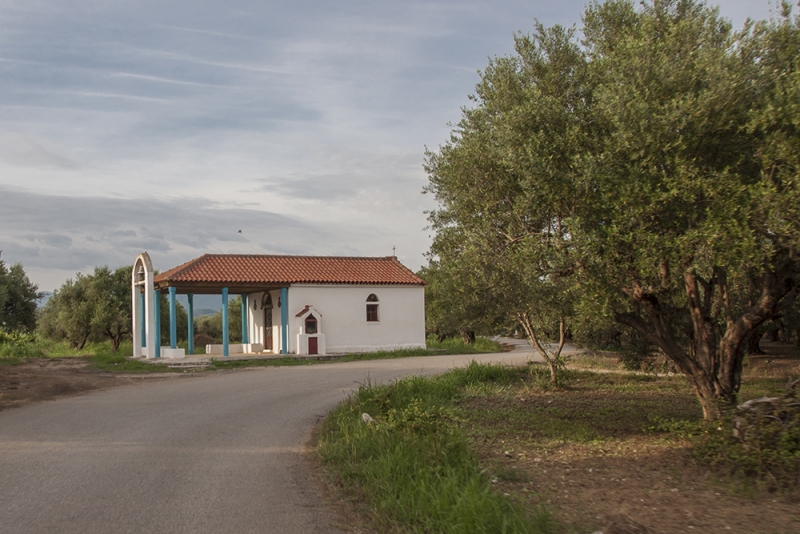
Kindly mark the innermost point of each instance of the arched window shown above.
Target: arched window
(311, 324)
(372, 308)
(266, 301)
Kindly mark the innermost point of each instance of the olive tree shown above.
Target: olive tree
(650, 168)
(18, 298)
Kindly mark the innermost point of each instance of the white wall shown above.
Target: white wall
(401, 312)
(255, 320)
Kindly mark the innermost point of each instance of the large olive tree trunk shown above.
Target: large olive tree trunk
(714, 367)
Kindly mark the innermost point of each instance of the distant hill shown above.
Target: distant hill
(203, 304)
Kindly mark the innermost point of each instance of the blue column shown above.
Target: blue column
(157, 312)
(225, 321)
(284, 320)
(173, 326)
(190, 314)
(143, 318)
(244, 319)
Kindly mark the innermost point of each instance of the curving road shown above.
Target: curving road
(208, 453)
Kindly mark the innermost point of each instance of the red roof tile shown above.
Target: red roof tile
(268, 269)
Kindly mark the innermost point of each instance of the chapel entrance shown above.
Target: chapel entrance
(267, 305)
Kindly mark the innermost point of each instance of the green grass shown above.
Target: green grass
(589, 409)
(429, 425)
(99, 355)
(16, 345)
(120, 363)
(15, 352)
(102, 357)
(449, 346)
(457, 346)
(286, 361)
(413, 470)
(38, 347)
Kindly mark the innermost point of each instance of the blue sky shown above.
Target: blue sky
(169, 126)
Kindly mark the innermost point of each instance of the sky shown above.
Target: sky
(258, 127)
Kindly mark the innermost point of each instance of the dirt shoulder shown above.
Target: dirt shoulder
(632, 485)
(41, 379)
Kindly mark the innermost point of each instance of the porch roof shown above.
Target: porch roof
(245, 273)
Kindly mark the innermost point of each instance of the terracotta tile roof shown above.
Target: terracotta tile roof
(267, 269)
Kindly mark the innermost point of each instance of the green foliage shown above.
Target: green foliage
(17, 338)
(507, 184)
(97, 306)
(181, 321)
(678, 428)
(412, 468)
(90, 308)
(648, 175)
(457, 300)
(211, 325)
(458, 346)
(761, 443)
(19, 344)
(67, 315)
(18, 298)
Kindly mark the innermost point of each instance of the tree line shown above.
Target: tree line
(637, 175)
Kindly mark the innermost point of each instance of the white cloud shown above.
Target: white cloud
(169, 126)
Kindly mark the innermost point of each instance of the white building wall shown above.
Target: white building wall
(401, 313)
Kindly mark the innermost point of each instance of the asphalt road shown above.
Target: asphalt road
(213, 453)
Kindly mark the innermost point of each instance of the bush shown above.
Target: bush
(761, 441)
(18, 344)
(16, 337)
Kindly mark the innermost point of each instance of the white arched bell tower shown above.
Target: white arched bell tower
(142, 310)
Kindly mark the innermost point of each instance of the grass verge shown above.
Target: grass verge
(636, 440)
(412, 468)
(116, 362)
(434, 348)
(99, 355)
(14, 351)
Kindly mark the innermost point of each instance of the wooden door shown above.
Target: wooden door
(312, 345)
(267, 328)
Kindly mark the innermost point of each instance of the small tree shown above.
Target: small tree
(458, 301)
(110, 295)
(68, 314)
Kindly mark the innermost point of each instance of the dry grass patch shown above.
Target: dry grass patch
(613, 452)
